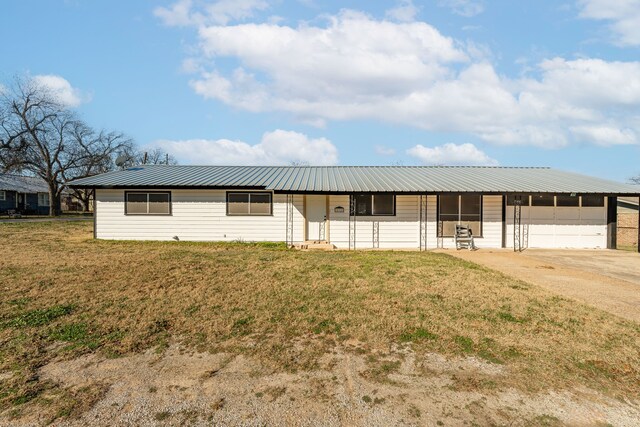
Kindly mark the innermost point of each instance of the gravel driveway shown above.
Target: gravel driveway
(606, 279)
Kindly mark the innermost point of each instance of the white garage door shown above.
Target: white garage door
(560, 226)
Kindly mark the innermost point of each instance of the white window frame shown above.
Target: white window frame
(41, 199)
(3, 195)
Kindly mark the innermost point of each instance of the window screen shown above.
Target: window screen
(383, 204)
(375, 204)
(449, 215)
(156, 203)
(260, 203)
(567, 200)
(363, 204)
(465, 210)
(249, 204)
(470, 212)
(592, 200)
(238, 204)
(542, 200)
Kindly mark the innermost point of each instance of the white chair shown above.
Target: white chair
(464, 238)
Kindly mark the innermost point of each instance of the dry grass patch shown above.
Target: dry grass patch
(64, 294)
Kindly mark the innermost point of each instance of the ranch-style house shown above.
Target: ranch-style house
(358, 207)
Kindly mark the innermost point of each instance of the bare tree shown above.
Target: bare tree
(42, 137)
(635, 180)
(102, 147)
(133, 156)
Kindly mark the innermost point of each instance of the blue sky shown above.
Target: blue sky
(542, 83)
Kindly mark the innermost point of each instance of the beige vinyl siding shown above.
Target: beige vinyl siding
(198, 215)
(395, 232)
(201, 215)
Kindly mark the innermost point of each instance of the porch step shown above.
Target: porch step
(317, 245)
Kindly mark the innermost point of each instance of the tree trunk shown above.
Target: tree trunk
(86, 201)
(54, 202)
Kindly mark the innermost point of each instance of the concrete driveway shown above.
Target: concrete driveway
(606, 279)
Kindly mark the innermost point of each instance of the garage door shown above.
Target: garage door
(560, 226)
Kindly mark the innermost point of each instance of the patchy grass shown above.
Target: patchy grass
(63, 294)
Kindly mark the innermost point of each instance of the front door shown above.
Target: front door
(316, 217)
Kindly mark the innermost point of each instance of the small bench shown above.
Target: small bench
(464, 238)
(14, 213)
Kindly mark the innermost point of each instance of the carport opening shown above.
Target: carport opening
(627, 230)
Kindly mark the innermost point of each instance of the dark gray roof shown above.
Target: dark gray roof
(348, 179)
(23, 184)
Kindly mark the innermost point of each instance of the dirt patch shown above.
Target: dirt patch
(609, 280)
(182, 387)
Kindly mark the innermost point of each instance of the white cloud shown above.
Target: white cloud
(623, 17)
(384, 151)
(177, 15)
(279, 147)
(405, 11)
(605, 135)
(466, 8)
(355, 67)
(187, 12)
(353, 62)
(60, 89)
(452, 154)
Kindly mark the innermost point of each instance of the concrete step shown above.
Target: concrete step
(317, 245)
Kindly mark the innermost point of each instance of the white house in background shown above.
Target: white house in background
(352, 207)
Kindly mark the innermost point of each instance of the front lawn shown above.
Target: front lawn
(63, 294)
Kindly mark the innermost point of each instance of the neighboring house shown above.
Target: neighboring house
(628, 221)
(358, 207)
(23, 194)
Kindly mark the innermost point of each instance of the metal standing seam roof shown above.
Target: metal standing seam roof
(23, 184)
(354, 179)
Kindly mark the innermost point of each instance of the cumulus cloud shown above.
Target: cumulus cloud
(466, 8)
(189, 12)
(605, 135)
(60, 89)
(279, 147)
(623, 17)
(405, 11)
(452, 155)
(355, 67)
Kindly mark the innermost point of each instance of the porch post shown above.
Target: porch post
(95, 213)
(612, 222)
(638, 224)
(504, 220)
(327, 224)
